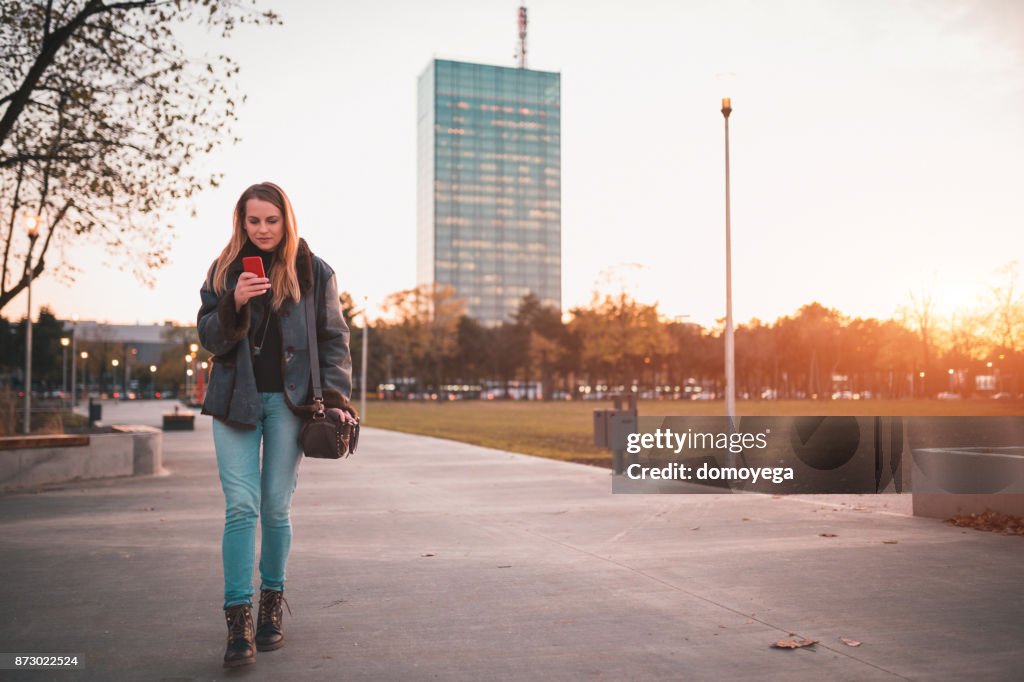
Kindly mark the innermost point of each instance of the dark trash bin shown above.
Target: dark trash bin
(95, 412)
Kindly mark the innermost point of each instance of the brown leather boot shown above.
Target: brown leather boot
(241, 648)
(270, 625)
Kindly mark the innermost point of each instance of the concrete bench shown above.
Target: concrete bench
(31, 461)
(43, 441)
(179, 421)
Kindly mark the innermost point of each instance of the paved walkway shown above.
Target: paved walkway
(426, 559)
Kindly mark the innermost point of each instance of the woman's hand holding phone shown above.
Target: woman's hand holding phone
(249, 286)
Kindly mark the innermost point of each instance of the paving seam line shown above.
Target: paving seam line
(706, 600)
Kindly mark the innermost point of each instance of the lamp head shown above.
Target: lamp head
(32, 226)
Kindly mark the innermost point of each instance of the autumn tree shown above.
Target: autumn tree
(1006, 319)
(543, 337)
(620, 337)
(103, 118)
(419, 330)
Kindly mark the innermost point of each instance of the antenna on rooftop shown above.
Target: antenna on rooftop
(521, 54)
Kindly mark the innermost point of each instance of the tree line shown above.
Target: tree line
(423, 343)
(425, 338)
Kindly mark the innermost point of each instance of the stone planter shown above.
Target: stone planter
(127, 451)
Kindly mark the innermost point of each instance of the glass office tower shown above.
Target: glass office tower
(489, 217)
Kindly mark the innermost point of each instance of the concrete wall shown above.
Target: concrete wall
(138, 452)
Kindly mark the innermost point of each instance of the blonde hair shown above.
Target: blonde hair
(284, 280)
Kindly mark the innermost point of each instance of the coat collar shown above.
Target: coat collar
(303, 263)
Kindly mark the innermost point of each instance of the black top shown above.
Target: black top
(265, 337)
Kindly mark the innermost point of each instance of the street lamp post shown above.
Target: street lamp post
(64, 343)
(730, 349)
(152, 381)
(33, 234)
(366, 354)
(194, 348)
(85, 384)
(74, 357)
(128, 357)
(113, 373)
(188, 373)
(200, 386)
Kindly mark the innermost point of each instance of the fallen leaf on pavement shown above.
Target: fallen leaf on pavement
(427, 554)
(794, 643)
(991, 521)
(890, 542)
(849, 642)
(828, 535)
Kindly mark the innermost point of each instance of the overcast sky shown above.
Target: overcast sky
(876, 149)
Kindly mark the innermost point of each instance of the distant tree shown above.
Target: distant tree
(920, 317)
(46, 348)
(102, 120)
(544, 337)
(419, 327)
(508, 357)
(471, 359)
(619, 337)
(8, 345)
(1007, 309)
(756, 358)
(355, 320)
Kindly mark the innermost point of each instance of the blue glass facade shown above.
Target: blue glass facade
(489, 220)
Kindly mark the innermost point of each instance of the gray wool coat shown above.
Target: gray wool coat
(231, 395)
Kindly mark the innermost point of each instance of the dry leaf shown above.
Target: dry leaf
(849, 642)
(890, 542)
(794, 643)
(427, 554)
(828, 535)
(991, 521)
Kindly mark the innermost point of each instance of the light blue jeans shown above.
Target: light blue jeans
(250, 493)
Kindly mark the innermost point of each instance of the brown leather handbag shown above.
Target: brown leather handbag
(323, 435)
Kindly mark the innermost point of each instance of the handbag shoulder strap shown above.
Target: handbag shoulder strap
(314, 351)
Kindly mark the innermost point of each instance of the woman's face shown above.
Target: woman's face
(264, 224)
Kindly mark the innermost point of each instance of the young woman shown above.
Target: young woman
(259, 390)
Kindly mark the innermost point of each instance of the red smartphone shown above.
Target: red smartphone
(254, 264)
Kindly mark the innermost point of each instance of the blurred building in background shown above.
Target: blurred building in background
(489, 219)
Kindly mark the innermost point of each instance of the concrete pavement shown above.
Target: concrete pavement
(423, 559)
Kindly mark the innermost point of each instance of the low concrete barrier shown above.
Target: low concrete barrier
(129, 451)
(953, 481)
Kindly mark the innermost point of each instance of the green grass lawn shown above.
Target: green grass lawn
(564, 430)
